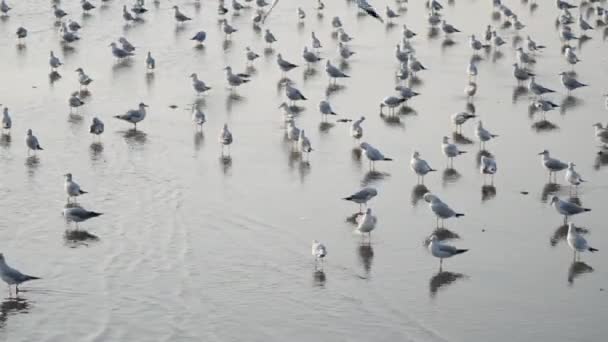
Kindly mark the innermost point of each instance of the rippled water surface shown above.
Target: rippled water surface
(193, 247)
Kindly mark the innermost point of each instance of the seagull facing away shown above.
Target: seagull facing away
(11, 276)
(199, 37)
(573, 177)
(441, 251)
(72, 188)
(32, 142)
(487, 166)
(483, 135)
(367, 223)
(97, 127)
(420, 166)
(567, 208)
(54, 62)
(577, 242)
(319, 252)
(450, 150)
(7, 123)
(150, 62)
(225, 138)
(356, 130)
(362, 196)
(373, 154)
(134, 115)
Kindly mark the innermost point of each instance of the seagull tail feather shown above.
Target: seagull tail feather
(591, 249)
(459, 215)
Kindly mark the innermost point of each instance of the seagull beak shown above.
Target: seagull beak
(541, 153)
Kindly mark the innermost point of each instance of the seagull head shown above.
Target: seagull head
(1, 257)
(596, 125)
(416, 155)
(284, 105)
(112, 44)
(433, 238)
(142, 105)
(364, 145)
(68, 176)
(193, 75)
(446, 140)
(29, 132)
(554, 199)
(368, 211)
(571, 165)
(175, 7)
(79, 70)
(544, 153)
(429, 197)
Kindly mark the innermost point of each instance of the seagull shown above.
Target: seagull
(458, 119)
(406, 33)
(221, 9)
(73, 25)
(391, 102)
(476, 45)
(150, 62)
(577, 242)
(582, 24)
(442, 211)
(77, 214)
(7, 123)
(532, 46)
(310, 57)
(333, 72)
(567, 208)
(10, 275)
(198, 117)
(199, 37)
(325, 108)
(304, 145)
(119, 53)
(545, 105)
(343, 36)
(573, 177)
(261, 3)
(450, 150)
(250, 55)
(285, 65)
(420, 166)
(4, 8)
(369, 10)
(58, 12)
(301, 13)
(228, 29)
(318, 251)
(86, 6)
(344, 51)
(483, 134)
(97, 127)
(293, 94)
(269, 37)
(179, 16)
(442, 251)
(570, 56)
(336, 23)
(293, 133)
(497, 40)
(601, 133)
(54, 62)
(72, 188)
(199, 86)
(237, 6)
(134, 115)
(67, 36)
(126, 45)
(520, 73)
(74, 101)
(470, 89)
(373, 154)
(552, 164)
(406, 92)
(126, 15)
(21, 33)
(538, 89)
(356, 130)
(488, 167)
(225, 138)
(367, 223)
(235, 80)
(83, 78)
(564, 5)
(570, 82)
(320, 5)
(414, 65)
(362, 196)
(316, 43)
(523, 57)
(391, 14)
(32, 142)
(447, 28)
(472, 69)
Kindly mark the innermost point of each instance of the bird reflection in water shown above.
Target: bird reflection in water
(544, 126)
(443, 279)
(226, 163)
(450, 175)
(442, 234)
(95, 150)
(11, 307)
(549, 189)
(569, 102)
(78, 238)
(576, 269)
(392, 120)
(600, 160)
(5, 140)
(334, 88)
(482, 153)
(417, 192)
(488, 192)
(134, 137)
(366, 257)
(199, 138)
(319, 278)
(372, 177)
(32, 163)
(518, 92)
(324, 127)
(561, 233)
(461, 139)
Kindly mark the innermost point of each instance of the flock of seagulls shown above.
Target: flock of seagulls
(526, 57)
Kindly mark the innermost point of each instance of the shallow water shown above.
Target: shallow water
(196, 247)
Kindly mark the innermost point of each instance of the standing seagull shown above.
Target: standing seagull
(225, 138)
(573, 177)
(362, 196)
(150, 62)
(567, 208)
(325, 109)
(284, 64)
(72, 188)
(179, 16)
(269, 38)
(442, 251)
(367, 223)
(318, 251)
(235, 80)
(293, 94)
(333, 72)
(134, 115)
(86, 6)
(4, 8)
(577, 242)
(373, 154)
(83, 78)
(304, 145)
(356, 130)
(420, 166)
(97, 127)
(119, 53)
(450, 150)
(571, 83)
(488, 167)
(54, 62)
(553, 165)
(199, 37)
(483, 135)
(32, 142)
(11, 276)
(7, 123)
(199, 86)
(440, 209)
